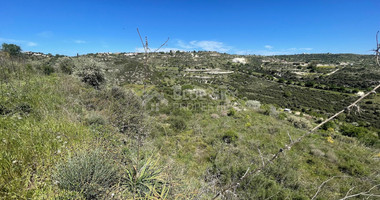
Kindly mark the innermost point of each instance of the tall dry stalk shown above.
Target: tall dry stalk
(145, 70)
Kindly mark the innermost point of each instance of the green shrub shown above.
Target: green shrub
(283, 116)
(4, 110)
(117, 92)
(299, 122)
(92, 75)
(24, 108)
(66, 66)
(95, 119)
(269, 110)
(353, 167)
(287, 94)
(187, 87)
(230, 136)
(90, 173)
(363, 134)
(127, 113)
(47, 69)
(329, 124)
(231, 112)
(177, 123)
(253, 104)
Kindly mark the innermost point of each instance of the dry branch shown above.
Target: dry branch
(367, 193)
(377, 50)
(324, 182)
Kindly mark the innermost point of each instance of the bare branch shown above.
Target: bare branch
(377, 50)
(320, 186)
(367, 193)
(348, 192)
(290, 137)
(142, 42)
(161, 45)
(262, 158)
(146, 44)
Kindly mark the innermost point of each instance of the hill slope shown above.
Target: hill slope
(199, 122)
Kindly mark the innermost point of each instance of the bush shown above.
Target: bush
(253, 104)
(187, 87)
(272, 111)
(127, 112)
(283, 116)
(363, 134)
(66, 66)
(88, 172)
(47, 69)
(329, 124)
(317, 152)
(117, 92)
(4, 110)
(231, 112)
(177, 123)
(95, 119)
(299, 122)
(230, 136)
(92, 75)
(287, 94)
(24, 108)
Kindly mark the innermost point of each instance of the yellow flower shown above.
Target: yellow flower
(329, 139)
(330, 130)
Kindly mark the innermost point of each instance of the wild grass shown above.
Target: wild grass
(50, 124)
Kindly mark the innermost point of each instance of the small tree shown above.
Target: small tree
(12, 49)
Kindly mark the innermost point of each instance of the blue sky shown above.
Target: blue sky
(237, 27)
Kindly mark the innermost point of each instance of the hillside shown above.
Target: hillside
(186, 125)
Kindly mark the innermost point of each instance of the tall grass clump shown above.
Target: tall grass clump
(88, 172)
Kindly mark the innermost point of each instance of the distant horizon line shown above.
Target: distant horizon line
(139, 52)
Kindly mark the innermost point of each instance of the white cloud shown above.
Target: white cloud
(306, 49)
(45, 34)
(19, 42)
(269, 52)
(31, 44)
(182, 44)
(211, 45)
(205, 45)
(268, 47)
(79, 41)
(300, 49)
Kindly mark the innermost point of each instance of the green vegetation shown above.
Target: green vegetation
(87, 127)
(12, 49)
(88, 172)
